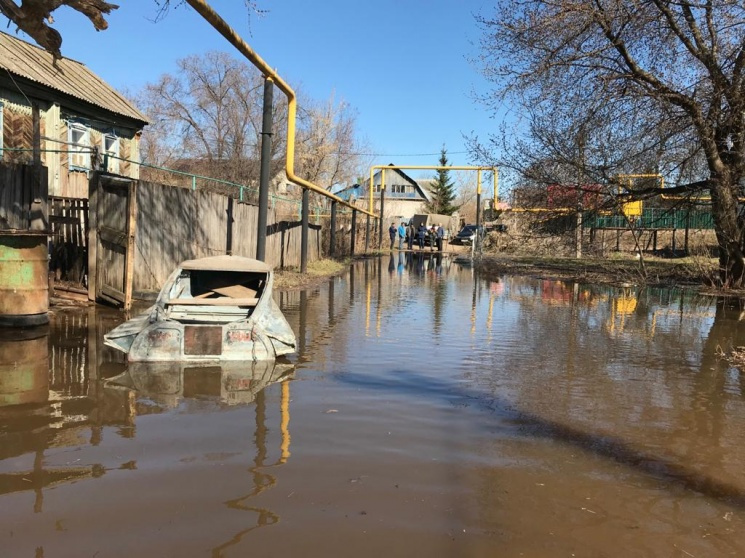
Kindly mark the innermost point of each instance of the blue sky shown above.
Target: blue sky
(401, 64)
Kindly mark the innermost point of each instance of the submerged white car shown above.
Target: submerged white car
(209, 310)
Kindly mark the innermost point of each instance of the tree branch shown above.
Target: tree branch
(31, 17)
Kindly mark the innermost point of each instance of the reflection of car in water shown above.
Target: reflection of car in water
(165, 384)
(467, 235)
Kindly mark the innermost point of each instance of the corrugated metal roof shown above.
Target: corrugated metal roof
(68, 76)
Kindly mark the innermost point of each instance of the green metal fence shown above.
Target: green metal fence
(653, 218)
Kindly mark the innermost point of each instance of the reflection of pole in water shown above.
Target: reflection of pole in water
(351, 283)
(261, 479)
(284, 425)
(260, 433)
(367, 310)
(303, 315)
(331, 301)
(380, 298)
(473, 307)
(38, 472)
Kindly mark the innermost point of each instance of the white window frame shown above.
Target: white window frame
(114, 150)
(79, 156)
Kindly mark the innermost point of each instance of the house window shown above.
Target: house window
(110, 146)
(79, 138)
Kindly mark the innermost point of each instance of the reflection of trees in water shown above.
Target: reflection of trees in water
(653, 387)
(717, 395)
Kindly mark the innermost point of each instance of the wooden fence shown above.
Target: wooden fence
(68, 224)
(176, 224)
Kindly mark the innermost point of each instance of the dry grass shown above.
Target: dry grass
(289, 279)
(619, 269)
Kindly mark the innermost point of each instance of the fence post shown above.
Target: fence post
(266, 159)
(688, 226)
(304, 231)
(332, 240)
(353, 240)
(229, 229)
(367, 234)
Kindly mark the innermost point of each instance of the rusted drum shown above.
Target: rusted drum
(24, 283)
(24, 366)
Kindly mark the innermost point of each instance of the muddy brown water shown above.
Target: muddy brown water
(428, 412)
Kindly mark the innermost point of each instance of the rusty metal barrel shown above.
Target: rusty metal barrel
(24, 366)
(24, 283)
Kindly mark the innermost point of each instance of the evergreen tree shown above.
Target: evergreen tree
(442, 191)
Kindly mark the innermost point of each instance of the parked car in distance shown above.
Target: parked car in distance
(467, 235)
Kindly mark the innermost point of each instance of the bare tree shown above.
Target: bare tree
(328, 147)
(208, 116)
(207, 119)
(652, 84)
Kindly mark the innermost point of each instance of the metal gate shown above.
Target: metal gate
(113, 212)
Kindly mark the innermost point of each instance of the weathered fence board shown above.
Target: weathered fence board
(68, 224)
(176, 224)
(23, 197)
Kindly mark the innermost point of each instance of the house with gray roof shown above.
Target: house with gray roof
(82, 121)
(404, 197)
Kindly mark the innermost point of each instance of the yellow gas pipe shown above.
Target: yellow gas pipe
(233, 38)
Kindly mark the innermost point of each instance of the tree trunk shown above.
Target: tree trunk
(729, 231)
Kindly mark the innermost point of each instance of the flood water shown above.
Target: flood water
(428, 412)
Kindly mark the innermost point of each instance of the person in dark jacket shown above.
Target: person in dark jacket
(411, 233)
(392, 232)
(420, 234)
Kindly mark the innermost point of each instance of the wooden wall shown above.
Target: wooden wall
(18, 190)
(17, 133)
(176, 224)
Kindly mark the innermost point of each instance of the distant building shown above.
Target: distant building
(80, 116)
(404, 197)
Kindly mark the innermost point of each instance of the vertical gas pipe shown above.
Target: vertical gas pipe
(266, 161)
(382, 206)
(304, 232)
(332, 240)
